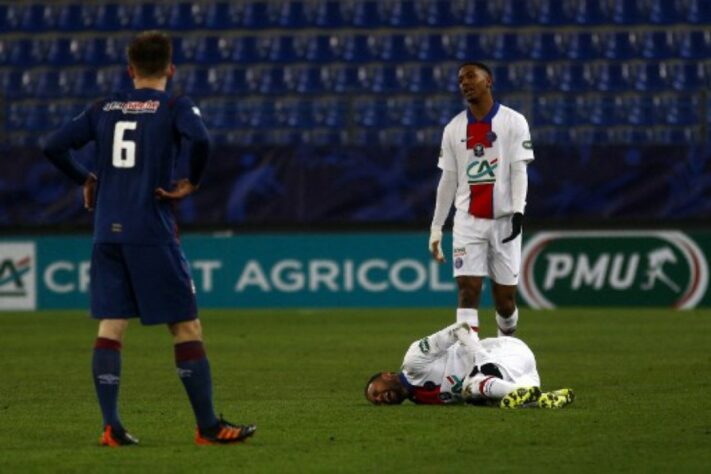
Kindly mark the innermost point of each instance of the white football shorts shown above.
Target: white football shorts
(478, 250)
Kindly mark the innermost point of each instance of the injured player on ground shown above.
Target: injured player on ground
(454, 366)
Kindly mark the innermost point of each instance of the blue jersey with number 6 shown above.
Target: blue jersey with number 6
(138, 136)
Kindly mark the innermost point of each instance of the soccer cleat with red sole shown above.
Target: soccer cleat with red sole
(225, 433)
(116, 439)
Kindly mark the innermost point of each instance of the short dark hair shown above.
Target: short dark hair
(481, 66)
(370, 380)
(150, 53)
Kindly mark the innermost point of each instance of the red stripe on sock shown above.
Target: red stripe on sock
(191, 350)
(105, 343)
(482, 383)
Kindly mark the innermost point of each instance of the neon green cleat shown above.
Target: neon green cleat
(556, 398)
(520, 397)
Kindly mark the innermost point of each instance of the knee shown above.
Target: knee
(185, 331)
(506, 307)
(468, 297)
(112, 329)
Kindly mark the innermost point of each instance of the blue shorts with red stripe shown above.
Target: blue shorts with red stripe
(151, 282)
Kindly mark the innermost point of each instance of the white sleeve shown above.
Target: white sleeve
(446, 190)
(447, 159)
(519, 185)
(427, 350)
(521, 140)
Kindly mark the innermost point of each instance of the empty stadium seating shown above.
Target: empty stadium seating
(571, 65)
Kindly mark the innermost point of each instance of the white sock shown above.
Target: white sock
(469, 316)
(492, 387)
(507, 326)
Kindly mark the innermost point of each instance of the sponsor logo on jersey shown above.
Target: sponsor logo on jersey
(17, 276)
(133, 107)
(456, 383)
(613, 268)
(482, 171)
(527, 144)
(458, 262)
(460, 251)
(424, 345)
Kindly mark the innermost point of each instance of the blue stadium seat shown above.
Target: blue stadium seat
(439, 13)
(349, 78)
(48, 84)
(601, 110)
(330, 112)
(321, 48)
(311, 80)
(329, 15)
(679, 109)
(212, 49)
(582, 46)
(295, 113)
(695, 44)
(246, 49)
(430, 47)
(648, 76)
(664, 12)
(419, 78)
(185, 16)
(285, 49)
(687, 76)
(26, 52)
(641, 110)
(110, 16)
(359, 48)
(467, 47)
(63, 51)
(293, 14)
(404, 14)
(238, 80)
(477, 13)
(149, 16)
(657, 45)
(396, 47)
(370, 112)
(516, 13)
(222, 16)
(590, 12)
(367, 14)
(385, 78)
(611, 76)
(504, 78)
(628, 12)
(505, 47)
(256, 15)
(574, 77)
(201, 80)
(698, 12)
(38, 119)
(405, 111)
(618, 45)
(119, 80)
(552, 13)
(537, 77)
(547, 47)
(12, 82)
(39, 17)
(272, 81)
(84, 82)
(100, 51)
(16, 114)
(441, 109)
(445, 76)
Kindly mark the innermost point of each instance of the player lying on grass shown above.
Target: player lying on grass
(454, 366)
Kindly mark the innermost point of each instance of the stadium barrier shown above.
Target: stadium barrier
(559, 268)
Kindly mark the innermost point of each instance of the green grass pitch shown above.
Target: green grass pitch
(642, 379)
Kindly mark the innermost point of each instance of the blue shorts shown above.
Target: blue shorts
(152, 282)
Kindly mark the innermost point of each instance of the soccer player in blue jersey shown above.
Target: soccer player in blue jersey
(137, 266)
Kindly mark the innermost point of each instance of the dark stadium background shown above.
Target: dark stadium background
(329, 114)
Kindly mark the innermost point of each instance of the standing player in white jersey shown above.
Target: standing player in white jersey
(454, 366)
(485, 151)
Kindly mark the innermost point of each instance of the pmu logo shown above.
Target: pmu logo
(17, 276)
(616, 268)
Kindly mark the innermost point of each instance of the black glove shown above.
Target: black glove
(516, 222)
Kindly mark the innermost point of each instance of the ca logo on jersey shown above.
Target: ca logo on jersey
(482, 171)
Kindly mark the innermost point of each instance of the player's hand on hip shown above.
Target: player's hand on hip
(516, 224)
(436, 245)
(182, 189)
(90, 192)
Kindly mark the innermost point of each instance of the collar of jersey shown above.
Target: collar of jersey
(487, 118)
(406, 383)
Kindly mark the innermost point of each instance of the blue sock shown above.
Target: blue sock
(194, 372)
(106, 368)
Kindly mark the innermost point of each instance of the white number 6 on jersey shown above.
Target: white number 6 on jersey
(124, 151)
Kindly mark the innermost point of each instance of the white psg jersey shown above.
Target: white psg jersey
(481, 153)
(435, 367)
